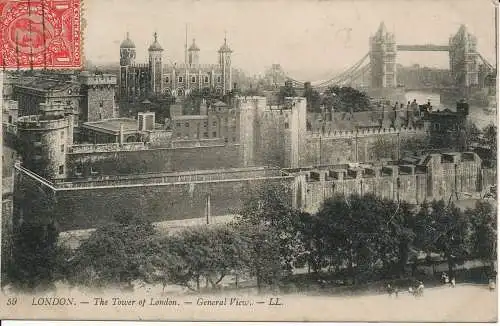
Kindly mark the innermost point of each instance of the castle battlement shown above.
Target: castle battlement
(38, 122)
(191, 67)
(102, 148)
(339, 173)
(366, 132)
(97, 79)
(140, 66)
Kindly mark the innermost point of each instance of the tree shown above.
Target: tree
(346, 99)
(363, 233)
(36, 257)
(489, 140)
(445, 231)
(117, 253)
(483, 233)
(472, 133)
(268, 224)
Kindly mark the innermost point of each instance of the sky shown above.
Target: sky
(310, 39)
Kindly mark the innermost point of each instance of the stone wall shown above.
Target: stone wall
(89, 207)
(439, 176)
(153, 160)
(363, 146)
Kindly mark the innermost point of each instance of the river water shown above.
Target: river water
(477, 115)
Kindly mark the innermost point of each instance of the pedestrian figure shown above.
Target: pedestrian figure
(452, 282)
(420, 290)
(491, 284)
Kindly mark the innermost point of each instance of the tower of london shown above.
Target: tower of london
(161, 77)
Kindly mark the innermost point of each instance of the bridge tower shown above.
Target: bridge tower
(464, 59)
(383, 59)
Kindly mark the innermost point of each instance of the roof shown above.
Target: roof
(194, 47)
(224, 47)
(189, 117)
(47, 84)
(127, 43)
(156, 45)
(112, 126)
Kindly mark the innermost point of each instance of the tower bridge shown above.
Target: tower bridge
(377, 69)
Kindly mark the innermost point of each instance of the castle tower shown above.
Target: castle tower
(98, 90)
(194, 54)
(383, 59)
(225, 64)
(155, 65)
(464, 59)
(127, 59)
(45, 140)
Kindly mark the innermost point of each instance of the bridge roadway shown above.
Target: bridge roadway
(422, 47)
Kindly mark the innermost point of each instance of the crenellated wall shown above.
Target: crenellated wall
(91, 201)
(450, 176)
(364, 145)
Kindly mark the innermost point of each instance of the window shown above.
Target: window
(93, 170)
(62, 134)
(286, 125)
(219, 79)
(205, 124)
(193, 79)
(234, 139)
(10, 119)
(61, 169)
(167, 79)
(214, 123)
(79, 170)
(206, 79)
(225, 120)
(186, 124)
(179, 135)
(62, 148)
(180, 79)
(178, 124)
(205, 135)
(101, 104)
(225, 139)
(214, 134)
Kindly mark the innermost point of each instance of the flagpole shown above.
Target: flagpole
(186, 46)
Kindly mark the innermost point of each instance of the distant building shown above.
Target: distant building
(156, 78)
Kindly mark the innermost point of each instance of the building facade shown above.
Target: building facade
(158, 78)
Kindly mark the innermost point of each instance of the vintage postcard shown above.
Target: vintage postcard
(249, 160)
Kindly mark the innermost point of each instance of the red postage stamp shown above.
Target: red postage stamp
(40, 34)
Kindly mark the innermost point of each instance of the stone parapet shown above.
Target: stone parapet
(111, 147)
